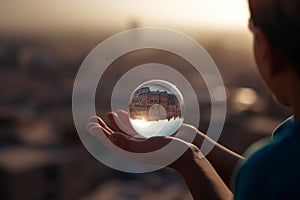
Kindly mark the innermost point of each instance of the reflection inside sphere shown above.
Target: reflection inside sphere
(156, 109)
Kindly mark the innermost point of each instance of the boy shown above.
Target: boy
(273, 172)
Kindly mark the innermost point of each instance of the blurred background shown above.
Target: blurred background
(42, 45)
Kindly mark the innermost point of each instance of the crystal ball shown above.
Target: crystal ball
(156, 109)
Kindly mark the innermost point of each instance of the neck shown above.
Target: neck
(297, 110)
(295, 98)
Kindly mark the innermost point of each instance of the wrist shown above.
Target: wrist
(199, 173)
(188, 160)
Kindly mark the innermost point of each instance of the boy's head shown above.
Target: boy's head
(276, 28)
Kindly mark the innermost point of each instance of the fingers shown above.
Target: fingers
(98, 128)
(104, 134)
(95, 129)
(139, 149)
(187, 132)
(124, 117)
(93, 119)
(91, 125)
(114, 120)
(101, 134)
(120, 122)
(98, 120)
(112, 140)
(112, 116)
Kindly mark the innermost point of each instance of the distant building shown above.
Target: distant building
(143, 99)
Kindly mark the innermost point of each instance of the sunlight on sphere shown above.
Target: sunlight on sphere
(156, 109)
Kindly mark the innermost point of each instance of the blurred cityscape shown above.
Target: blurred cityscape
(41, 155)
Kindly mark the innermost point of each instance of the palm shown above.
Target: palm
(123, 139)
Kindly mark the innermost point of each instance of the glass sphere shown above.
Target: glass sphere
(156, 109)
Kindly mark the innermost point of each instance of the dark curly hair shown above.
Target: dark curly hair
(280, 21)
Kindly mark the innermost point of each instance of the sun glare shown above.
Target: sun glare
(201, 13)
(141, 123)
(218, 14)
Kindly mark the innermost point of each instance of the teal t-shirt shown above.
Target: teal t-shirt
(273, 172)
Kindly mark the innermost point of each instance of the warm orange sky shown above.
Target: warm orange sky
(30, 15)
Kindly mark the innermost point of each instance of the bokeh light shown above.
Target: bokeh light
(244, 98)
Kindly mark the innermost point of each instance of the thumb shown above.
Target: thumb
(187, 133)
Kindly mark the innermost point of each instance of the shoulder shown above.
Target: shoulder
(260, 161)
(283, 149)
(275, 156)
(272, 170)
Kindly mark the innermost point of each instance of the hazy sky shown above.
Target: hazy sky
(30, 15)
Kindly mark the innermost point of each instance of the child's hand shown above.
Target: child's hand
(124, 140)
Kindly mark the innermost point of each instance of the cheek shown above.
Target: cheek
(259, 59)
(257, 53)
(265, 74)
